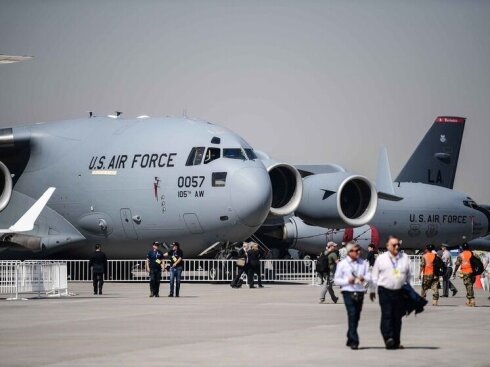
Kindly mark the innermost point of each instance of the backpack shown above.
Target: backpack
(322, 263)
(476, 265)
(439, 267)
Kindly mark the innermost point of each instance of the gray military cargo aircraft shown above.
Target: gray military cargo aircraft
(125, 183)
(419, 213)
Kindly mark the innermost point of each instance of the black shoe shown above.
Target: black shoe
(95, 293)
(390, 343)
(100, 292)
(454, 292)
(170, 295)
(400, 347)
(151, 295)
(157, 295)
(232, 285)
(335, 300)
(261, 286)
(353, 346)
(445, 296)
(176, 295)
(251, 286)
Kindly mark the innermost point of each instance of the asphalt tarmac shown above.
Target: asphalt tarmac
(215, 325)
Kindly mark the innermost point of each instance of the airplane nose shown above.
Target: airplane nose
(251, 195)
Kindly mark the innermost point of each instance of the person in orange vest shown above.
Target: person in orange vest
(466, 273)
(429, 280)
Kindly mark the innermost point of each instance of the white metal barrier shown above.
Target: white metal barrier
(39, 277)
(210, 270)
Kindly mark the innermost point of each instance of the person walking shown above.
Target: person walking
(322, 265)
(154, 266)
(254, 257)
(351, 275)
(447, 285)
(332, 260)
(176, 257)
(243, 267)
(371, 255)
(463, 260)
(98, 264)
(390, 272)
(429, 278)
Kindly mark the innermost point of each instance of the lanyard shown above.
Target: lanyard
(394, 263)
(354, 273)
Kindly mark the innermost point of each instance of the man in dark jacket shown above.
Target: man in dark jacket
(254, 257)
(98, 263)
(243, 257)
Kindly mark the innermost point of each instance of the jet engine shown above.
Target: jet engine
(337, 200)
(287, 187)
(313, 239)
(5, 186)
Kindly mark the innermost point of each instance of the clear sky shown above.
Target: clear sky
(305, 81)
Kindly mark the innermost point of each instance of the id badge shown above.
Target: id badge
(396, 273)
(158, 261)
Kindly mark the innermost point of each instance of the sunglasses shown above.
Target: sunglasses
(397, 244)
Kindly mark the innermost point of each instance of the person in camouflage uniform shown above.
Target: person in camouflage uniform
(429, 279)
(333, 259)
(463, 260)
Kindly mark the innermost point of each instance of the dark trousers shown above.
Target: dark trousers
(392, 310)
(98, 280)
(250, 275)
(240, 271)
(155, 276)
(447, 285)
(175, 275)
(353, 304)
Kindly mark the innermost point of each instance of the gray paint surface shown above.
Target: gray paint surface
(308, 82)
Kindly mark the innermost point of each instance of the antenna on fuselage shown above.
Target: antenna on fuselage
(116, 116)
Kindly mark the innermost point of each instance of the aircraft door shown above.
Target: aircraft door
(192, 223)
(127, 224)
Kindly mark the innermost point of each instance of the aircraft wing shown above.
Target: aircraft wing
(384, 183)
(26, 222)
(315, 169)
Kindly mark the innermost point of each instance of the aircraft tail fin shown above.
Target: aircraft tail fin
(26, 222)
(435, 159)
(384, 183)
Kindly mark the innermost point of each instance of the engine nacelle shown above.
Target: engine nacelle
(337, 200)
(313, 239)
(287, 187)
(5, 186)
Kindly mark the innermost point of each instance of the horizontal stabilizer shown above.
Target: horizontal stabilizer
(26, 222)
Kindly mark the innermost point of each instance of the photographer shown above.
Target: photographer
(352, 275)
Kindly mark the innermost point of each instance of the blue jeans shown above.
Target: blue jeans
(353, 304)
(175, 275)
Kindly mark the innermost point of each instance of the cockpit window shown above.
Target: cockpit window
(211, 155)
(250, 154)
(195, 156)
(233, 153)
(470, 203)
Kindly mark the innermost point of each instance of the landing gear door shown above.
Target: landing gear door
(128, 224)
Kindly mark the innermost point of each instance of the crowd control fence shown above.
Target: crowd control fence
(43, 278)
(206, 270)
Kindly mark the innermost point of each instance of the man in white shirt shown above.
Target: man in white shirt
(390, 272)
(351, 274)
(447, 285)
